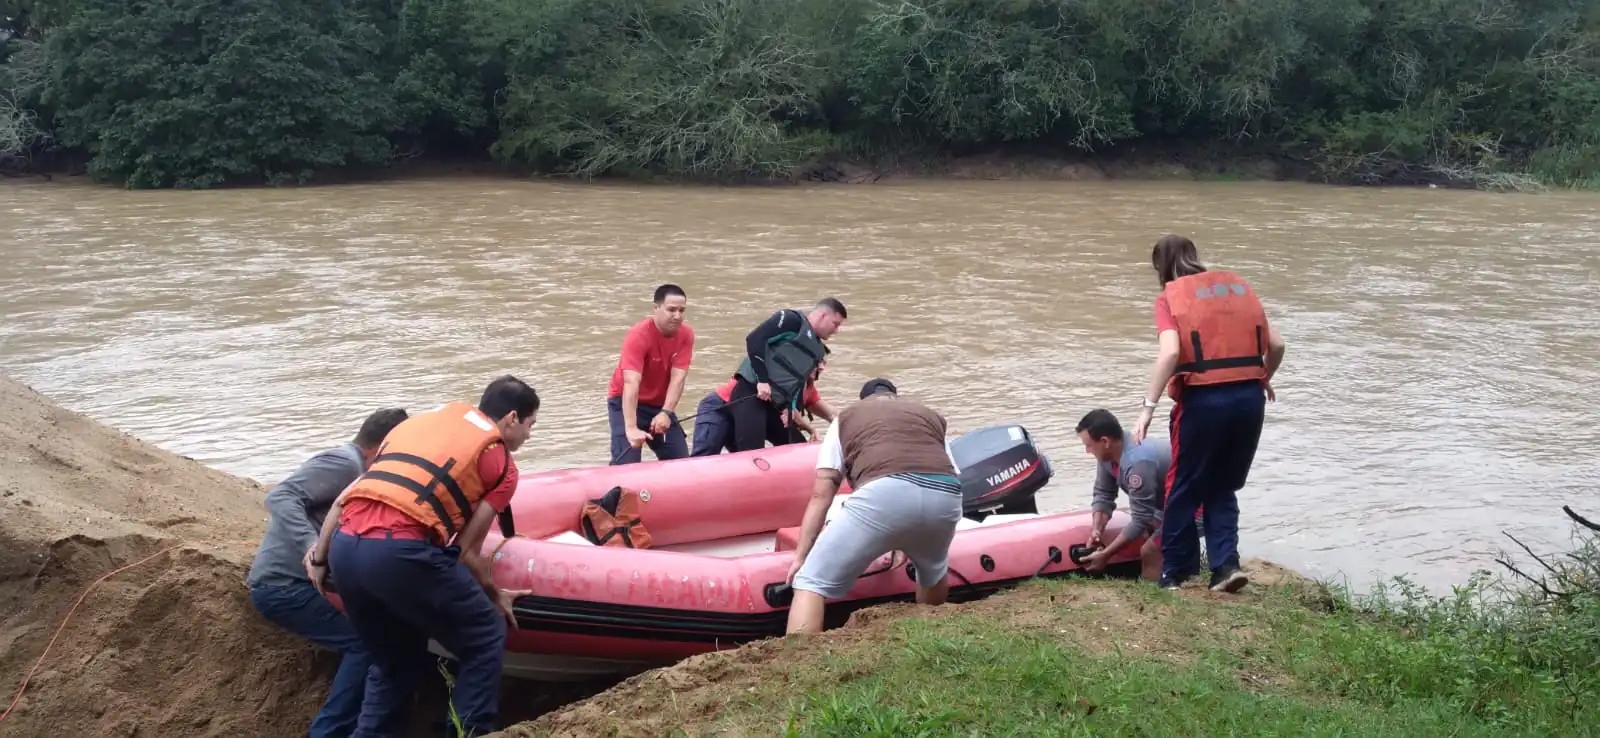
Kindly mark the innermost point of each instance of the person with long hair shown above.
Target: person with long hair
(1216, 359)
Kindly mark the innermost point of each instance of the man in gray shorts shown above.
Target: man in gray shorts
(906, 497)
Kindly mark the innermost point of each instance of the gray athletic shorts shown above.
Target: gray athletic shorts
(885, 514)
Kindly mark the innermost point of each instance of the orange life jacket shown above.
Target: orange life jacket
(614, 520)
(1222, 330)
(427, 467)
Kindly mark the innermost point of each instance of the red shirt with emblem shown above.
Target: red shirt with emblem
(653, 356)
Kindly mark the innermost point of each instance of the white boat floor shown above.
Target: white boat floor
(767, 542)
(729, 548)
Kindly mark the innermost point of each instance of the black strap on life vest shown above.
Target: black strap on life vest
(609, 503)
(616, 529)
(1202, 364)
(426, 493)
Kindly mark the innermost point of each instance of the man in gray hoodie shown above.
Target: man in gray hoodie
(279, 586)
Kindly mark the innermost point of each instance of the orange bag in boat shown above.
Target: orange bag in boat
(614, 520)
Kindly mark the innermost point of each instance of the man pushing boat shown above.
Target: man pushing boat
(408, 558)
(1138, 468)
(906, 497)
(279, 585)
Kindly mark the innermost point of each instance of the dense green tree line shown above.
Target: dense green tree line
(194, 93)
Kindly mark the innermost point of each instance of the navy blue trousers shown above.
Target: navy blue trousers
(400, 593)
(713, 429)
(1215, 430)
(669, 445)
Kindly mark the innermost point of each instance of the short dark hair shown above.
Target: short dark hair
(378, 424)
(508, 394)
(832, 303)
(667, 290)
(878, 386)
(1101, 424)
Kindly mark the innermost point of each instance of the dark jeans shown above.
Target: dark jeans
(756, 422)
(712, 427)
(400, 593)
(1215, 430)
(299, 609)
(669, 445)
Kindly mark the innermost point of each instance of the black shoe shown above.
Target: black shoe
(1228, 579)
(1170, 582)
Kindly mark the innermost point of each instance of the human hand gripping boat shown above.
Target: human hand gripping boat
(723, 530)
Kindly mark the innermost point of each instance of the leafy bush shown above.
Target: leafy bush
(199, 92)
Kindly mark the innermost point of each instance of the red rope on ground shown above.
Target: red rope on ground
(63, 626)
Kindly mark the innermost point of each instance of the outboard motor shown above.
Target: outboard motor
(1001, 470)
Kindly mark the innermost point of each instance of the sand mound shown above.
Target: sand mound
(171, 646)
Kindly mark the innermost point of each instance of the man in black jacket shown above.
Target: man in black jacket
(769, 386)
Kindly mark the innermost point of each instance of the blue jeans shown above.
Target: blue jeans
(669, 445)
(713, 430)
(298, 609)
(1215, 430)
(400, 593)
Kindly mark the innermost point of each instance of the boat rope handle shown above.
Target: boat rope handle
(1055, 558)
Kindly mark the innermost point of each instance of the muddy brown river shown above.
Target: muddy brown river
(1442, 353)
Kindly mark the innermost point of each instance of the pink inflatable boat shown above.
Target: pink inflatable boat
(723, 532)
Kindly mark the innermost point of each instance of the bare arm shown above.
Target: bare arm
(1166, 363)
(822, 493)
(674, 390)
(830, 472)
(630, 398)
(799, 421)
(471, 543)
(1275, 349)
(824, 410)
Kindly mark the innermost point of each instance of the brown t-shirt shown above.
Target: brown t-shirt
(884, 436)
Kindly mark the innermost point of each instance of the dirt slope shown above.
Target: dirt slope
(170, 647)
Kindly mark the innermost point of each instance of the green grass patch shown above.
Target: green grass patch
(961, 676)
(1122, 658)
(1517, 657)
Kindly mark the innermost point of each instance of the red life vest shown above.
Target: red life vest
(1222, 330)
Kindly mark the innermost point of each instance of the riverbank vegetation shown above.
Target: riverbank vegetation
(197, 93)
(1494, 658)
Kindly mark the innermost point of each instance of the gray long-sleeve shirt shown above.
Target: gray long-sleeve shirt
(1143, 474)
(296, 508)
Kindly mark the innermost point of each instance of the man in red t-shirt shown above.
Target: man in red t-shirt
(648, 382)
(713, 428)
